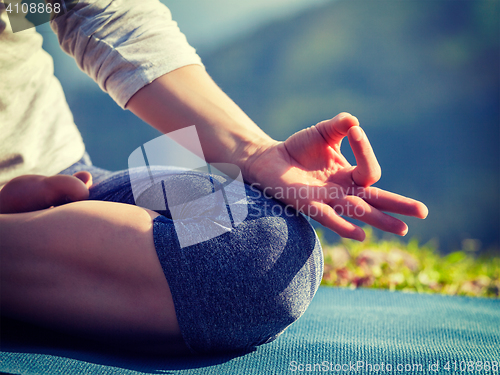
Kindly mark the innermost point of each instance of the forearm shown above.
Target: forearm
(153, 72)
(188, 96)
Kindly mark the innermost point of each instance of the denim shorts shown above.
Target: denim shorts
(239, 289)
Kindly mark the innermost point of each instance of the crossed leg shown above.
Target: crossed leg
(34, 192)
(88, 268)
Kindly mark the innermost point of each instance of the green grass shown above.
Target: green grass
(394, 265)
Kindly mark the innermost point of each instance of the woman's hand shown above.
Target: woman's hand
(309, 172)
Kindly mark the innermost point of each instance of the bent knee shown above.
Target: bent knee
(295, 278)
(258, 284)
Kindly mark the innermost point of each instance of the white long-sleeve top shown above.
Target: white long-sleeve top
(122, 44)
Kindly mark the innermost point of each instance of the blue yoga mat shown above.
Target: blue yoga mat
(343, 331)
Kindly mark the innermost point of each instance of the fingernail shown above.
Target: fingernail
(360, 235)
(424, 212)
(357, 133)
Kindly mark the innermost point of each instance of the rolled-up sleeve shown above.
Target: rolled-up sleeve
(123, 44)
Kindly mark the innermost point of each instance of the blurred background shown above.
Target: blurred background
(423, 78)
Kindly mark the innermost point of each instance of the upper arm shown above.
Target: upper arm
(123, 44)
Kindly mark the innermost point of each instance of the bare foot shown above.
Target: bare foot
(34, 192)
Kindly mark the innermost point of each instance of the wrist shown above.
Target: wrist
(248, 151)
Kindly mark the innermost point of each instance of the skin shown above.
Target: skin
(310, 158)
(34, 192)
(90, 268)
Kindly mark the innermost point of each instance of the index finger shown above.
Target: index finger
(367, 170)
(335, 129)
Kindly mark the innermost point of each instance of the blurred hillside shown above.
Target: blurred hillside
(421, 76)
(229, 20)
